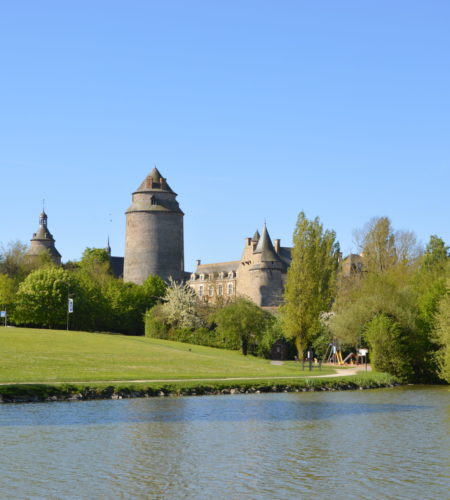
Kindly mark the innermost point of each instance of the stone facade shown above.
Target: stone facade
(154, 242)
(43, 242)
(259, 275)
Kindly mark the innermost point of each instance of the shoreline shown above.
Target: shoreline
(38, 392)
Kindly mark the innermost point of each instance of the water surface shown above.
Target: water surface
(387, 443)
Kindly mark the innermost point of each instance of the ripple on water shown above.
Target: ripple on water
(371, 444)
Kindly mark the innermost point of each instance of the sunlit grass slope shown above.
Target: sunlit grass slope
(34, 355)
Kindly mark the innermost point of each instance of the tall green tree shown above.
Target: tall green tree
(377, 243)
(311, 281)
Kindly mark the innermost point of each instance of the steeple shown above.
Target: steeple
(265, 247)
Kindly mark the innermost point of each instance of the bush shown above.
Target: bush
(390, 349)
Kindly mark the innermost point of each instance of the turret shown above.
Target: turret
(261, 269)
(43, 242)
(154, 232)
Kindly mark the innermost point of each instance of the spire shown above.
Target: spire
(108, 247)
(154, 180)
(265, 247)
(256, 237)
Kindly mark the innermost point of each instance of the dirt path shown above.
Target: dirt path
(340, 372)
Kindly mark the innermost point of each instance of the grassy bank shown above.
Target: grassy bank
(46, 365)
(68, 392)
(49, 356)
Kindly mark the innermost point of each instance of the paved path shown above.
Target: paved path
(340, 372)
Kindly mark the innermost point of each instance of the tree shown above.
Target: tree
(377, 244)
(242, 322)
(13, 261)
(436, 254)
(311, 281)
(179, 309)
(389, 349)
(42, 297)
(442, 336)
(7, 291)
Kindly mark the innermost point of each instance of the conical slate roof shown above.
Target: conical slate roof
(256, 236)
(154, 180)
(265, 248)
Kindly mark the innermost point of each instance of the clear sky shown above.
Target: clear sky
(254, 110)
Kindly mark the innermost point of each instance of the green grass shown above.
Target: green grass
(49, 356)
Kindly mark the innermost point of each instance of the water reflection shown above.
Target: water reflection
(206, 409)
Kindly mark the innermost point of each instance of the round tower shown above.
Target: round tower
(260, 276)
(154, 232)
(43, 242)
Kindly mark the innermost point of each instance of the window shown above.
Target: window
(193, 276)
(231, 274)
(220, 290)
(230, 289)
(221, 275)
(202, 277)
(211, 291)
(200, 291)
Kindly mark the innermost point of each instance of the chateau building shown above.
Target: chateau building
(154, 245)
(259, 275)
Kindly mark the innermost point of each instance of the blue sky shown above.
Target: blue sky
(253, 110)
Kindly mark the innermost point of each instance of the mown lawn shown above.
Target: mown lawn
(35, 355)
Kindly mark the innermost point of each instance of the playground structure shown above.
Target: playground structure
(333, 355)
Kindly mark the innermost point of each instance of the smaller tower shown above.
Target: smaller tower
(43, 241)
(260, 275)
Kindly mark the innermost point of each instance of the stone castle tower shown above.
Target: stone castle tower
(260, 275)
(43, 241)
(154, 232)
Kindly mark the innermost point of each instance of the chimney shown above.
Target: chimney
(198, 262)
(150, 182)
(249, 241)
(277, 246)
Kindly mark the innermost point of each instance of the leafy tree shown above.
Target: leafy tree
(42, 297)
(311, 281)
(7, 291)
(442, 336)
(13, 261)
(180, 306)
(242, 322)
(436, 254)
(377, 244)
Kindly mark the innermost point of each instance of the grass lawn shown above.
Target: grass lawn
(47, 356)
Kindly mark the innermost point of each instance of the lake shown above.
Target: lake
(384, 443)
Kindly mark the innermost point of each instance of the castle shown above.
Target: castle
(154, 245)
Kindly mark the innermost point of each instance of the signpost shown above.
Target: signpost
(3, 314)
(363, 354)
(69, 310)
